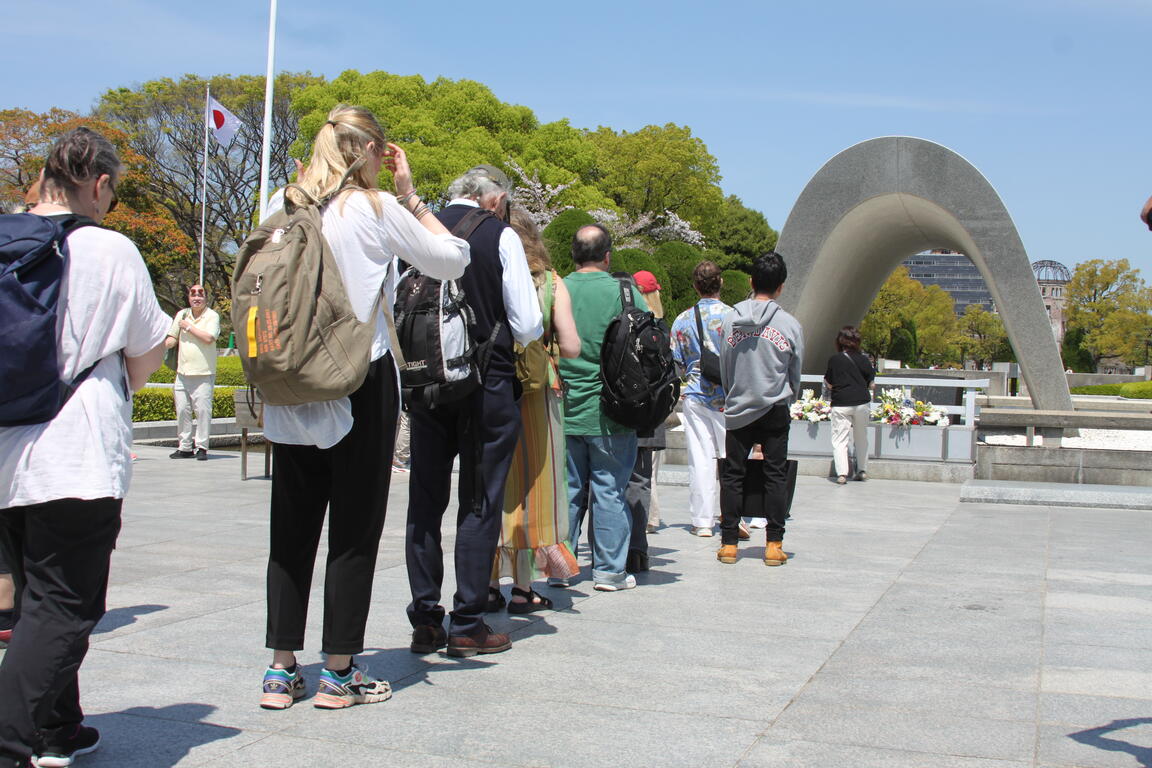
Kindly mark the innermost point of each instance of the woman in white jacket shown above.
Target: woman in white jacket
(335, 455)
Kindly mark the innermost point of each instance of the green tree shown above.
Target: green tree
(902, 347)
(658, 169)
(164, 122)
(982, 333)
(1110, 303)
(736, 286)
(1074, 354)
(740, 234)
(902, 300)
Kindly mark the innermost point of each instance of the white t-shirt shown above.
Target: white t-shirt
(365, 246)
(107, 307)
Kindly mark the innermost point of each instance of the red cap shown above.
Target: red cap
(646, 281)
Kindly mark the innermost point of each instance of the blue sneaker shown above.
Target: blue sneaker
(282, 688)
(337, 692)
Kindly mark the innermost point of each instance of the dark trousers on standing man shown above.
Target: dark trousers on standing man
(771, 432)
(351, 481)
(483, 430)
(59, 553)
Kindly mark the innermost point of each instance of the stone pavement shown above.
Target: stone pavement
(909, 631)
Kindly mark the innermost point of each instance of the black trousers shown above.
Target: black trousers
(483, 430)
(638, 497)
(771, 432)
(59, 553)
(351, 481)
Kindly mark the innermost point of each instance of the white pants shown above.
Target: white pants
(850, 420)
(704, 434)
(193, 393)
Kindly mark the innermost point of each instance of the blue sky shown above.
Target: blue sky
(1049, 99)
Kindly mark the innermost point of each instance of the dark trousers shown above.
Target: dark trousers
(771, 432)
(483, 430)
(638, 497)
(59, 553)
(351, 481)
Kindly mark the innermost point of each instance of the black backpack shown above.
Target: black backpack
(639, 385)
(33, 255)
(434, 325)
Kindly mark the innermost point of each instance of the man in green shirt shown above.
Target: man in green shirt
(600, 451)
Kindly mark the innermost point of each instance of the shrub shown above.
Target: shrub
(558, 237)
(1097, 389)
(1137, 389)
(158, 404)
(737, 284)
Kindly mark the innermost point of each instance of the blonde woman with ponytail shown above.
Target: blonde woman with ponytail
(336, 455)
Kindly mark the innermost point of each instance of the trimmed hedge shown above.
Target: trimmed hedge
(1136, 390)
(228, 373)
(158, 404)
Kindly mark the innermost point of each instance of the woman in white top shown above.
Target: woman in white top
(62, 482)
(336, 455)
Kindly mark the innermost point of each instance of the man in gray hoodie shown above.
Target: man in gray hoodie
(760, 361)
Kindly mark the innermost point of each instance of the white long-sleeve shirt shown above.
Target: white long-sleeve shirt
(365, 246)
(520, 301)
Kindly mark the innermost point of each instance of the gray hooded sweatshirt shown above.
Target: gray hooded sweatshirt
(760, 358)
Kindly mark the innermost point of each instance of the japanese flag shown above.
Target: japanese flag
(221, 122)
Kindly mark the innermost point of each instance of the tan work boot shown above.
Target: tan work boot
(774, 555)
(727, 554)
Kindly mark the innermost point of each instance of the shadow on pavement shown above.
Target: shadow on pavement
(123, 617)
(1094, 737)
(154, 737)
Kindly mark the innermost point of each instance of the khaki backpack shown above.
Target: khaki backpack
(298, 338)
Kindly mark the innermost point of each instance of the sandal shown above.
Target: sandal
(496, 601)
(533, 601)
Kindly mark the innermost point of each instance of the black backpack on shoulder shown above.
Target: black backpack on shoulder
(639, 385)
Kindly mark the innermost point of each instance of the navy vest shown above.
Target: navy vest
(483, 284)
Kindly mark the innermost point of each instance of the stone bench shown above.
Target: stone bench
(1052, 424)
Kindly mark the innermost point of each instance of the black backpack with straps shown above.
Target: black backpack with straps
(434, 324)
(639, 385)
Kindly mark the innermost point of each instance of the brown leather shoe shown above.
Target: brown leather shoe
(774, 555)
(727, 554)
(428, 639)
(484, 641)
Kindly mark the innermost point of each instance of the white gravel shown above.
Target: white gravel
(1111, 439)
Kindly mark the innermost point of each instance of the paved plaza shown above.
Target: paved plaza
(908, 631)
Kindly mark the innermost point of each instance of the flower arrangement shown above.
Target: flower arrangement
(896, 408)
(810, 408)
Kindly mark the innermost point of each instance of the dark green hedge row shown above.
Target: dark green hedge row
(228, 373)
(157, 404)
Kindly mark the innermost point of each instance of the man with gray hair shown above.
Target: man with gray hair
(482, 428)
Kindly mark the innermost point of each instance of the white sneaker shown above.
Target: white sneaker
(758, 522)
(612, 586)
(336, 692)
(702, 531)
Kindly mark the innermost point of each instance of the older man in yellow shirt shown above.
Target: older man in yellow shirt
(195, 330)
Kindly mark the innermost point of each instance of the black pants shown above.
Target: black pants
(483, 430)
(638, 497)
(771, 432)
(59, 553)
(351, 480)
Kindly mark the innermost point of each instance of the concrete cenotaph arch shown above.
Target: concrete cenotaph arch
(883, 200)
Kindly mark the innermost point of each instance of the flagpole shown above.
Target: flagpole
(204, 177)
(266, 148)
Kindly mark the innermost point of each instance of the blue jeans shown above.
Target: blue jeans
(604, 462)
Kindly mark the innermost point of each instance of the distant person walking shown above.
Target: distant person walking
(193, 333)
(334, 457)
(62, 482)
(849, 377)
(760, 359)
(534, 532)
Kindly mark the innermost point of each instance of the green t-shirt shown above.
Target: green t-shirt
(595, 301)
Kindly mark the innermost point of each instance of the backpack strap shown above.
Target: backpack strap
(699, 328)
(626, 302)
(470, 222)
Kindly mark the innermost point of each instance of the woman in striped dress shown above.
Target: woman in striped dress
(535, 527)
